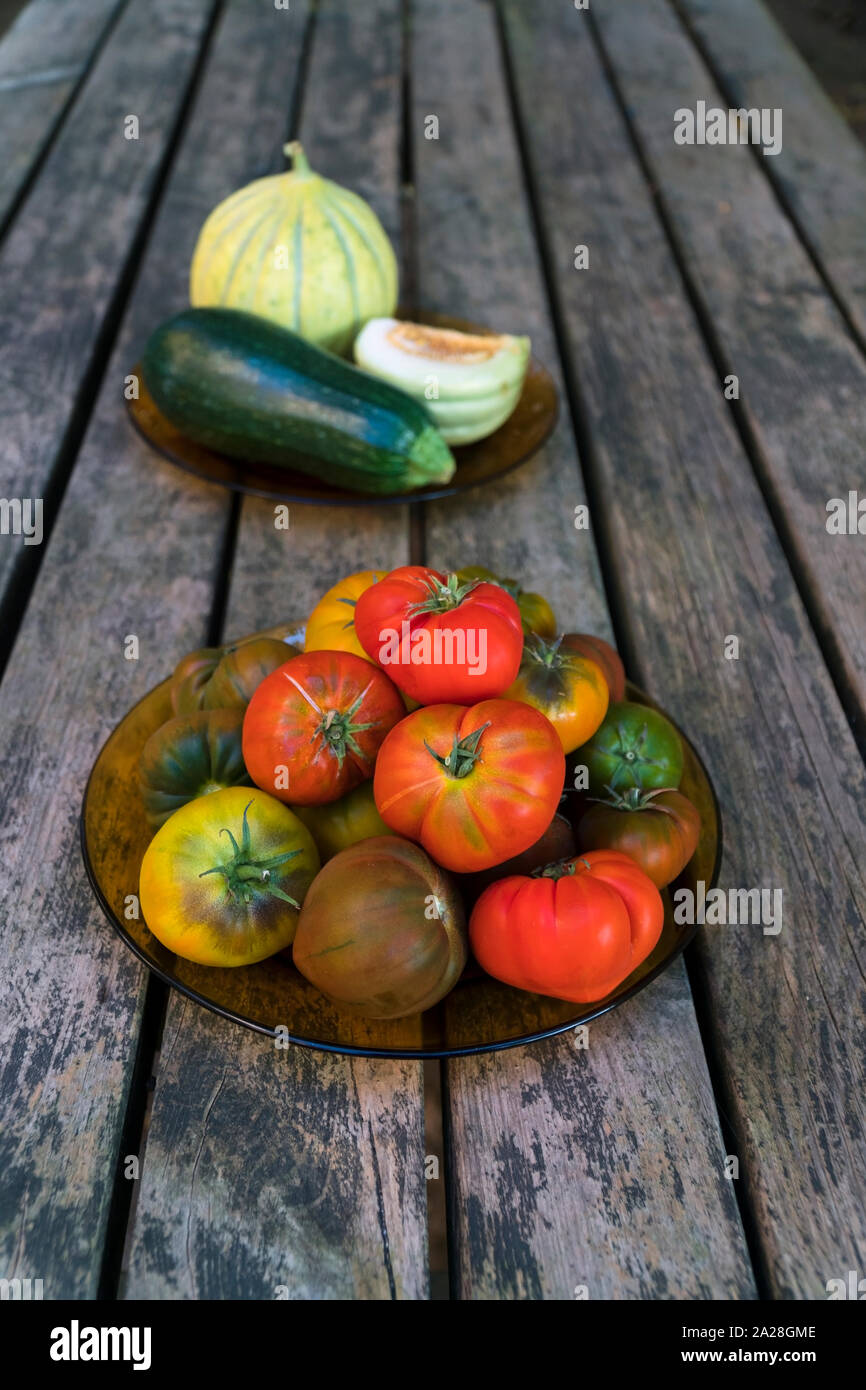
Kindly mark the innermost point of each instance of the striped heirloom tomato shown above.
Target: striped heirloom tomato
(223, 880)
(475, 786)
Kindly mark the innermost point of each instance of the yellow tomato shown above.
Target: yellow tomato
(331, 625)
(342, 823)
(222, 881)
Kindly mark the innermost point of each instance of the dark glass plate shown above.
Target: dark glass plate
(513, 443)
(480, 1014)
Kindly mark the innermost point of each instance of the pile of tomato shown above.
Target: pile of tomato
(351, 806)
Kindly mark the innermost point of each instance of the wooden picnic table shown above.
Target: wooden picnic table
(708, 1142)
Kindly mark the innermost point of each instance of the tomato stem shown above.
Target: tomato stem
(632, 799)
(545, 653)
(337, 731)
(464, 753)
(443, 597)
(559, 868)
(246, 876)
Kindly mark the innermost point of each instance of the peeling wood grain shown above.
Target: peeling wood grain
(802, 378)
(307, 1173)
(821, 169)
(698, 559)
(566, 1167)
(135, 550)
(42, 58)
(64, 259)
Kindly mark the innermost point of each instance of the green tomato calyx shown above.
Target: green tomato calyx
(353, 604)
(443, 597)
(631, 749)
(464, 753)
(246, 876)
(337, 731)
(633, 799)
(560, 868)
(545, 653)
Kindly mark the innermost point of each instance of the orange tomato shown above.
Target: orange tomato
(569, 688)
(475, 785)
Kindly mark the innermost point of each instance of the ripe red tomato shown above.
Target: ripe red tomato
(575, 931)
(314, 726)
(438, 639)
(474, 786)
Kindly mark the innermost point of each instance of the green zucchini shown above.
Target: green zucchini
(255, 391)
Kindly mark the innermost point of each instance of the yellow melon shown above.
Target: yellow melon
(299, 250)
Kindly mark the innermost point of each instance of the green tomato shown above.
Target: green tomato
(188, 757)
(342, 823)
(634, 746)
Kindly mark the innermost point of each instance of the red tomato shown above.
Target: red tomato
(474, 786)
(440, 640)
(314, 726)
(575, 931)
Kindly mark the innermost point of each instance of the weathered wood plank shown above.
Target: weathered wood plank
(698, 559)
(135, 550)
(42, 58)
(266, 1169)
(821, 169)
(802, 379)
(63, 262)
(567, 1167)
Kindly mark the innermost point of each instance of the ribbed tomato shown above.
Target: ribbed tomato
(225, 677)
(475, 786)
(383, 932)
(575, 931)
(314, 726)
(190, 756)
(440, 640)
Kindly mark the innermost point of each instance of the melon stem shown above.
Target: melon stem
(295, 152)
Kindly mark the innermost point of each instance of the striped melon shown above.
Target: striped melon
(300, 250)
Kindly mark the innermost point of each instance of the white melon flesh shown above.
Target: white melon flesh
(469, 382)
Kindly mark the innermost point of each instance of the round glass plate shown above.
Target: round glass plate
(479, 1015)
(513, 443)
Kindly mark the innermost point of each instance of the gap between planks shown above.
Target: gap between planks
(13, 604)
(828, 642)
(614, 593)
